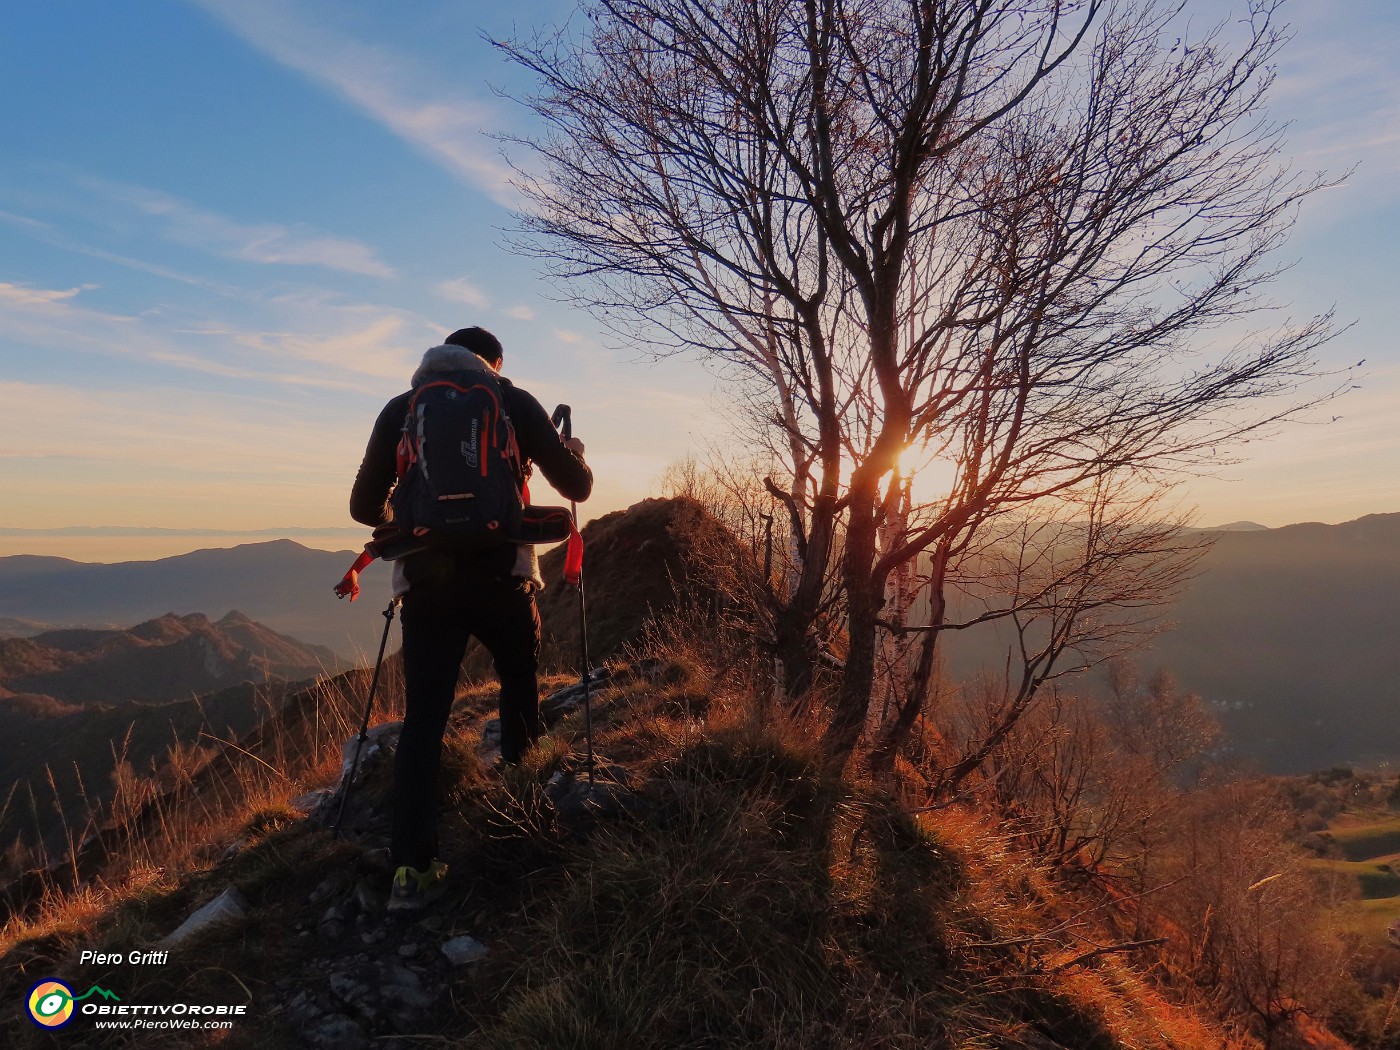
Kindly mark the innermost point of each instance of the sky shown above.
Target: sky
(229, 229)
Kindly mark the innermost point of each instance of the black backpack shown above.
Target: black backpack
(459, 467)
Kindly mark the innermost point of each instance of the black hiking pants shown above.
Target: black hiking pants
(447, 605)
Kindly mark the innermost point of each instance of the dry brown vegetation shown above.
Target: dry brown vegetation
(761, 901)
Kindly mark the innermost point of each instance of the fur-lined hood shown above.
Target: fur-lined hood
(448, 358)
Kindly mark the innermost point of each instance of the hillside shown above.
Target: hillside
(1289, 634)
(15, 627)
(717, 889)
(76, 704)
(637, 564)
(1350, 821)
(168, 658)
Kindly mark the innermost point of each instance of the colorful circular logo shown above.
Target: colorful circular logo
(51, 1004)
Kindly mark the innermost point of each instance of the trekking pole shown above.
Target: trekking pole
(564, 414)
(369, 706)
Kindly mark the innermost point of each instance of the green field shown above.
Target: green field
(1370, 919)
(1367, 839)
(1371, 845)
(1377, 879)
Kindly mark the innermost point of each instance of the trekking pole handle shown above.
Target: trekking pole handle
(564, 414)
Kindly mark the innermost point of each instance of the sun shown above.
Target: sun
(932, 477)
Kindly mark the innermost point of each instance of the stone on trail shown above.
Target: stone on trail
(228, 906)
(463, 950)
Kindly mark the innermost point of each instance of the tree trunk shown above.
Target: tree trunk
(795, 648)
(892, 736)
(794, 643)
(864, 599)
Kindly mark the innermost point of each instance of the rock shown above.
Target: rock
(329, 887)
(336, 1032)
(410, 951)
(491, 733)
(383, 997)
(228, 906)
(377, 750)
(403, 989)
(347, 989)
(334, 923)
(378, 741)
(308, 803)
(566, 701)
(611, 773)
(577, 801)
(301, 1010)
(463, 950)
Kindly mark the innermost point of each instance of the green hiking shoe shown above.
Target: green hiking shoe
(414, 890)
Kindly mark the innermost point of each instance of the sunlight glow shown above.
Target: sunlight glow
(932, 477)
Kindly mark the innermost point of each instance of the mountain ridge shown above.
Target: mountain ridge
(1291, 620)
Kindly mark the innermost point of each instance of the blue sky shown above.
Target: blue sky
(228, 228)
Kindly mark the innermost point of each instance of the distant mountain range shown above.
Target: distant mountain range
(280, 583)
(170, 658)
(1292, 633)
(156, 530)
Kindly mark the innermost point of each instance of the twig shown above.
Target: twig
(1108, 949)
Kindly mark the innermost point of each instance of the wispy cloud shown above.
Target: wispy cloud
(521, 313)
(40, 298)
(1340, 87)
(95, 206)
(183, 222)
(22, 220)
(301, 340)
(394, 89)
(460, 290)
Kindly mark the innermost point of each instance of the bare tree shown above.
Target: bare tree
(1027, 236)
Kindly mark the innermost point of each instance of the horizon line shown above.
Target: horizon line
(158, 530)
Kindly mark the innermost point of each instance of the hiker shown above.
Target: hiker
(452, 595)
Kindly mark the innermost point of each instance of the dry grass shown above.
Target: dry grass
(753, 900)
(767, 904)
(173, 824)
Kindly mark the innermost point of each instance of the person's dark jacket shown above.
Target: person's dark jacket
(538, 440)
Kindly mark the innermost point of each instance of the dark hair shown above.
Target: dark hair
(479, 341)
